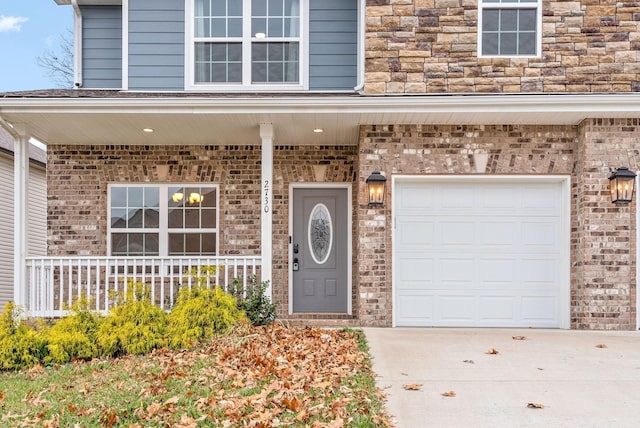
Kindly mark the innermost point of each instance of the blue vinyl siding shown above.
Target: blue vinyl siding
(101, 47)
(156, 45)
(333, 44)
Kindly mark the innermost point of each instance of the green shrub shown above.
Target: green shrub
(254, 301)
(134, 325)
(20, 345)
(201, 313)
(73, 337)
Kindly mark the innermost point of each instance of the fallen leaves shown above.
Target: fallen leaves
(535, 405)
(492, 351)
(412, 386)
(448, 394)
(468, 361)
(601, 345)
(256, 377)
(519, 337)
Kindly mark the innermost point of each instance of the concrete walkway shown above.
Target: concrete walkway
(580, 384)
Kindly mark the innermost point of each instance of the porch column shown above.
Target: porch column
(266, 134)
(20, 216)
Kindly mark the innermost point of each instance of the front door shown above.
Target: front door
(320, 250)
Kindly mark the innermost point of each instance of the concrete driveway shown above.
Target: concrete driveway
(579, 383)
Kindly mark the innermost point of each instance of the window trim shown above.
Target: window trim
(163, 229)
(303, 56)
(511, 5)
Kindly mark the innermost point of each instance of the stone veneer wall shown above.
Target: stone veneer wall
(603, 294)
(307, 164)
(430, 46)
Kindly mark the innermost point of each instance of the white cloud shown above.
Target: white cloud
(11, 23)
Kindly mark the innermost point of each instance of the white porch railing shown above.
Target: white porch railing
(55, 283)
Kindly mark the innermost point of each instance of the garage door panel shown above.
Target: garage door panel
(540, 272)
(456, 308)
(498, 308)
(414, 232)
(456, 271)
(457, 197)
(473, 257)
(416, 197)
(541, 234)
(414, 271)
(456, 234)
(492, 234)
(541, 198)
(493, 198)
(497, 272)
(415, 310)
(540, 309)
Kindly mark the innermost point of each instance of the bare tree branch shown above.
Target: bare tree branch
(59, 61)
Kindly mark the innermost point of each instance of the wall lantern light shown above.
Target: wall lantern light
(622, 184)
(376, 184)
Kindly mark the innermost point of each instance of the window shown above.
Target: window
(510, 27)
(163, 220)
(244, 44)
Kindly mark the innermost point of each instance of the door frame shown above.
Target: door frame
(349, 187)
(565, 226)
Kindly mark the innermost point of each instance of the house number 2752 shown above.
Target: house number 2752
(267, 201)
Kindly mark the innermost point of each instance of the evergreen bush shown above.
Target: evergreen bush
(134, 325)
(254, 301)
(199, 314)
(73, 337)
(21, 346)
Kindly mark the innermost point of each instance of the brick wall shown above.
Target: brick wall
(430, 46)
(79, 177)
(603, 293)
(603, 283)
(437, 149)
(300, 164)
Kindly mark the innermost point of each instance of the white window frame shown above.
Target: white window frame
(163, 229)
(515, 5)
(246, 85)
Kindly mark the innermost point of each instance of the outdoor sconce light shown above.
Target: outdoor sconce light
(622, 184)
(376, 184)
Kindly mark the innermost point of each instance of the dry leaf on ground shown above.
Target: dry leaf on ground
(468, 361)
(601, 345)
(412, 386)
(449, 394)
(535, 405)
(519, 337)
(492, 351)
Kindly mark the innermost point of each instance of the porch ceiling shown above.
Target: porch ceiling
(211, 120)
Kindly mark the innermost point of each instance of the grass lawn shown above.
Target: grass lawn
(255, 377)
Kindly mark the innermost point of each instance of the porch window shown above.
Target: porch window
(510, 28)
(244, 44)
(163, 220)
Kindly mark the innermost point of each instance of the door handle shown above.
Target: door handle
(295, 248)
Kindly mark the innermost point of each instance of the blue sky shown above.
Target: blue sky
(27, 29)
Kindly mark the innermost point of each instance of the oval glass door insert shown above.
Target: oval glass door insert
(320, 233)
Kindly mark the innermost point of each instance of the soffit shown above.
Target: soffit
(213, 120)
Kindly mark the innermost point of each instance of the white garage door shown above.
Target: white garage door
(481, 252)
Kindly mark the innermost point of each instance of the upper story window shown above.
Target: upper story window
(245, 44)
(163, 220)
(510, 28)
